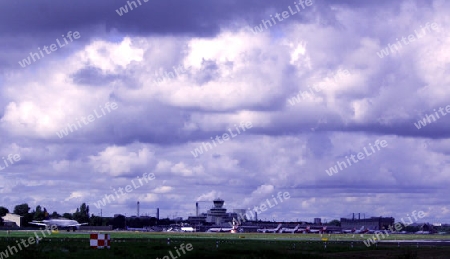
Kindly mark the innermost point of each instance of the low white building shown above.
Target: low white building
(9, 217)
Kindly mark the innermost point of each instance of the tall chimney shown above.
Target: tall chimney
(157, 213)
(138, 209)
(196, 209)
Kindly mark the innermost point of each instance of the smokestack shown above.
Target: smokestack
(196, 209)
(359, 216)
(157, 213)
(353, 216)
(138, 209)
(256, 216)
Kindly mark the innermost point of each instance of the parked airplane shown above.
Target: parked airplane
(348, 231)
(66, 224)
(362, 230)
(217, 230)
(187, 229)
(269, 230)
(309, 230)
(355, 231)
(144, 229)
(374, 231)
(304, 230)
(290, 230)
(234, 229)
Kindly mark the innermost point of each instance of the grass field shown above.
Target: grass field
(126, 234)
(224, 245)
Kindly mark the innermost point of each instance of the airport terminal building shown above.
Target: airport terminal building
(216, 215)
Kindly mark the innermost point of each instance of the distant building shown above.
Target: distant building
(373, 223)
(428, 227)
(217, 215)
(197, 220)
(11, 219)
(317, 221)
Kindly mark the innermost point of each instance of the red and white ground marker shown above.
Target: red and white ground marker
(100, 241)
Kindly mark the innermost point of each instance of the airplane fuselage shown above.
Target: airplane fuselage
(66, 224)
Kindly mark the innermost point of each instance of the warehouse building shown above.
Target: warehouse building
(372, 223)
(13, 220)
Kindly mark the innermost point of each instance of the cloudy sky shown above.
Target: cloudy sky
(317, 85)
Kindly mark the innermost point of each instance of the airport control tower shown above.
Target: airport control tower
(217, 214)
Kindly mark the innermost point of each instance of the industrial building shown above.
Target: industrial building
(373, 223)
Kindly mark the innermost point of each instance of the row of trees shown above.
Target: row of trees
(81, 214)
(3, 212)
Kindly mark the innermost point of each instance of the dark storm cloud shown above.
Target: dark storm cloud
(27, 25)
(195, 17)
(93, 76)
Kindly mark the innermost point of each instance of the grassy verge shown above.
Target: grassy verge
(205, 245)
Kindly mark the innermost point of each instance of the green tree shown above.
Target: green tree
(55, 215)
(82, 214)
(22, 209)
(119, 222)
(76, 215)
(39, 214)
(29, 217)
(3, 211)
(334, 222)
(67, 215)
(411, 228)
(95, 221)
